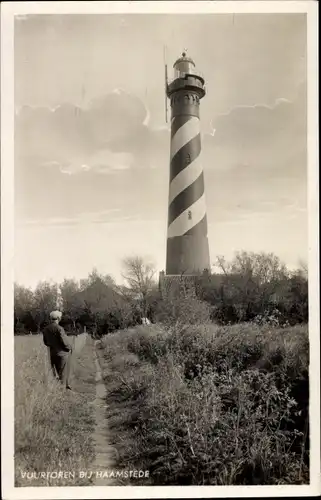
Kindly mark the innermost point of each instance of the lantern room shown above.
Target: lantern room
(185, 77)
(184, 66)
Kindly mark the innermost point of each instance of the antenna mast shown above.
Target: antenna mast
(166, 84)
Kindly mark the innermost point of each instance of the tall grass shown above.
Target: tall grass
(52, 426)
(202, 404)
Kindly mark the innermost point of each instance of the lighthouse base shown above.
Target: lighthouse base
(187, 255)
(173, 286)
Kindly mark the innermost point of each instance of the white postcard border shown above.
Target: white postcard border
(8, 11)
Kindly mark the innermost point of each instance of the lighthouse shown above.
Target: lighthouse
(187, 242)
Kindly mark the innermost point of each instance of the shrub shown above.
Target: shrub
(217, 405)
(219, 429)
(184, 310)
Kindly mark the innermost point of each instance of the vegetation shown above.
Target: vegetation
(52, 427)
(214, 392)
(140, 282)
(256, 287)
(210, 405)
(95, 303)
(252, 287)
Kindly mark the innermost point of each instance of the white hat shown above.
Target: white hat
(55, 315)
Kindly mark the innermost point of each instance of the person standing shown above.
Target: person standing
(60, 348)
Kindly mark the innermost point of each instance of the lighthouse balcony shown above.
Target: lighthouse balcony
(191, 82)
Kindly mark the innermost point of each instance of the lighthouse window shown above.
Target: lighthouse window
(178, 73)
(189, 215)
(188, 159)
(182, 68)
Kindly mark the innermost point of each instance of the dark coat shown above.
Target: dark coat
(55, 338)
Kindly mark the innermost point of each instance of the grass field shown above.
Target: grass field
(208, 405)
(53, 427)
(193, 405)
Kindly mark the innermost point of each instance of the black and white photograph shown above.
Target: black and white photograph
(160, 321)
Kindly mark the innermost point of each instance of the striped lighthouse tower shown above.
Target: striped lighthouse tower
(187, 242)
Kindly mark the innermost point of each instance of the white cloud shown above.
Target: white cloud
(147, 117)
(277, 102)
(103, 162)
(103, 137)
(106, 216)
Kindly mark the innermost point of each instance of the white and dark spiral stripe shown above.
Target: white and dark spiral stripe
(186, 191)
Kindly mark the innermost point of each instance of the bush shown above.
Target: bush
(186, 310)
(219, 429)
(218, 405)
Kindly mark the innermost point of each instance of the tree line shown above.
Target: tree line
(251, 287)
(95, 302)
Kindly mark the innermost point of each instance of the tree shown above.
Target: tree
(296, 296)
(99, 298)
(73, 304)
(23, 302)
(303, 269)
(139, 275)
(95, 277)
(260, 267)
(251, 282)
(44, 301)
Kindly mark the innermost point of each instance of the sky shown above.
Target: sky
(92, 144)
